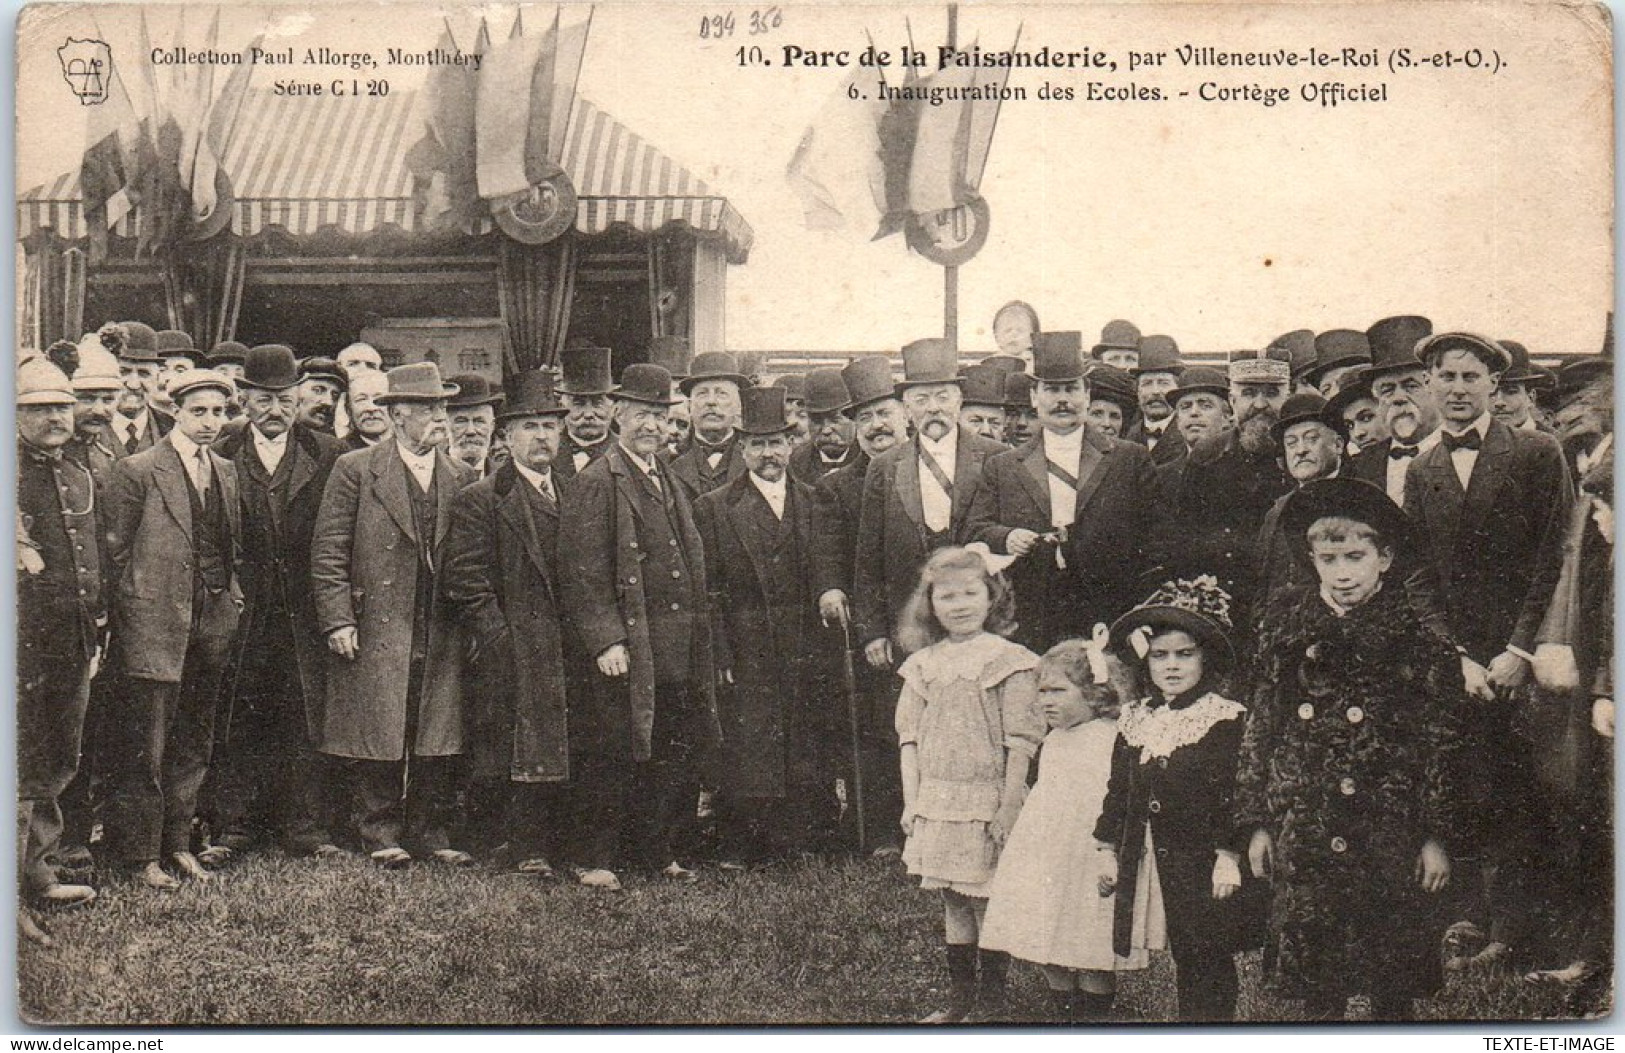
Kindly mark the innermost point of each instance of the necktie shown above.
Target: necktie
(130, 438)
(200, 474)
(1467, 440)
(1399, 451)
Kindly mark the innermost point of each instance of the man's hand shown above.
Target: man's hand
(832, 608)
(1507, 673)
(345, 642)
(1107, 883)
(878, 652)
(614, 661)
(1433, 867)
(1602, 717)
(1261, 854)
(1019, 541)
(1226, 874)
(1477, 679)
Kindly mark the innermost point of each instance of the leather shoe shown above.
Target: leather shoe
(392, 858)
(215, 855)
(33, 930)
(63, 895)
(153, 876)
(538, 866)
(453, 857)
(599, 878)
(190, 868)
(76, 858)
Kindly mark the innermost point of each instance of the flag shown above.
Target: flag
(836, 170)
(442, 161)
(219, 122)
(898, 125)
(565, 73)
(985, 117)
(502, 111)
(109, 169)
(936, 172)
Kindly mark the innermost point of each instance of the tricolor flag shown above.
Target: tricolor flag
(442, 161)
(837, 170)
(525, 95)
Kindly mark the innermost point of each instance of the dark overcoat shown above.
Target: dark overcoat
(807, 465)
(148, 538)
(564, 465)
(835, 524)
(1165, 448)
(501, 567)
(600, 558)
(363, 571)
(693, 471)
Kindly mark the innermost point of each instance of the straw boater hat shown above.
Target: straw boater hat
(1393, 344)
(645, 382)
(929, 361)
(1304, 406)
(535, 395)
(1058, 357)
(1117, 335)
(586, 371)
(984, 386)
(826, 391)
(269, 367)
(473, 390)
(711, 365)
(1337, 347)
(868, 379)
(1159, 354)
(1299, 345)
(41, 383)
(197, 379)
(1199, 607)
(762, 412)
(1438, 344)
(1346, 498)
(415, 382)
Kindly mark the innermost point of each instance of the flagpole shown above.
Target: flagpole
(950, 274)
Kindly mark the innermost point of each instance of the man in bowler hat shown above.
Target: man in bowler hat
(712, 459)
(831, 445)
(472, 414)
(1157, 375)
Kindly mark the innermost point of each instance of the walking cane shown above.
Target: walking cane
(852, 722)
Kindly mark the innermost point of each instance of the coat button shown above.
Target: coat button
(385, 618)
(1306, 711)
(1339, 845)
(631, 622)
(1155, 807)
(1346, 787)
(631, 581)
(632, 544)
(673, 542)
(1355, 714)
(676, 573)
(676, 606)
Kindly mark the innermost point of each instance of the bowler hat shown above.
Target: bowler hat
(1393, 343)
(711, 365)
(826, 391)
(762, 411)
(868, 379)
(1299, 345)
(1117, 335)
(794, 386)
(673, 353)
(174, 343)
(1298, 408)
(140, 342)
(1199, 379)
(535, 395)
(270, 367)
(1005, 363)
(1273, 365)
(1334, 348)
(320, 367)
(415, 382)
(1117, 386)
(1346, 498)
(1358, 387)
(1492, 354)
(195, 379)
(1018, 391)
(473, 390)
(929, 361)
(1159, 354)
(1523, 371)
(98, 370)
(1199, 607)
(41, 383)
(984, 386)
(228, 352)
(586, 371)
(1058, 356)
(646, 382)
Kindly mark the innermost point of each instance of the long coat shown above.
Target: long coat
(1352, 760)
(892, 537)
(149, 548)
(778, 717)
(363, 571)
(835, 524)
(600, 558)
(501, 567)
(276, 558)
(1105, 550)
(807, 465)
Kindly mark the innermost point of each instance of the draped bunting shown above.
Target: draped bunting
(203, 289)
(534, 291)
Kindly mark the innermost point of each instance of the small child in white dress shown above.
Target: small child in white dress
(1046, 907)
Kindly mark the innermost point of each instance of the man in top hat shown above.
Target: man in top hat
(359, 358)
(1311, 448)
(503, 579)
(321, 386)
(267, 781)
(1114, 406)
(712, 458)
(794, 386)
(60, 612)
(1020, 419)
(1157, 375)
(777, 705)
(473, 421)
(832, 444)
(1299, 345)
(634, 590)
(586, 385)
(1410, 413)
(981, 410)
(174, 533)
(1215, 497)
(1355, 413)
(1119, 345)
(1338, 353)
(916, 497)
(1492, 503)
(1514, 401)
(139, 424)
(1073, 506)
(880, 423)
(394, 677)
(369, 422)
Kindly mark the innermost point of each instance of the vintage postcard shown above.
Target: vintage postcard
(773, 514)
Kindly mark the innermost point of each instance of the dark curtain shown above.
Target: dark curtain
(53, 305)
(671, 284)
(203, 288)
(534, 290)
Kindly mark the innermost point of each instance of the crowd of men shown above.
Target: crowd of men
(312, 603)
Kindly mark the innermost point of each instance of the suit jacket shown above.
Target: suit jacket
(1105, 550)
(1370, 464)
(363, 571)
(604, 601)
(891, 543)
(691, 469)
(808, 466)
(564, 465)
(501, 560)
(1167, 447)
(148, 539)
(1495, 551)
(158, 425)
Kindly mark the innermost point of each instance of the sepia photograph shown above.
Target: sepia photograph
(1021, 515)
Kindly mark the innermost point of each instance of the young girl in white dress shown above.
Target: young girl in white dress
(1046, 907)
(968, 729)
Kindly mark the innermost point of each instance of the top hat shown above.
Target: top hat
(1523, 371)
(713, 365)
(535, 395)
(1199, 607)
(1199, 378)
(930, 361)
(1058, 357)
(868, 379)
(1159, 354)
(1346, 498)
(984, 386)
(98, 370)
(41, 383)
(1431, 347)
(1299, 345)
(140, 342)
(1303, 406)
(671, 352)
(586, 371)
(646, 382)
(1273, 365)
(762, 411)
(173, 343)
(1018, 391)
(415, 382)
(1117, 335)
(1005, 363)
(320, 367)
(270, 367)
(794, 386)
(1115, 385)
(228, 352)
(1393, 343)
(1334, 348)
(826, 391)
(194, 379)
(474, 390)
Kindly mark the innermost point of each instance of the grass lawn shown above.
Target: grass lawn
(276, 940)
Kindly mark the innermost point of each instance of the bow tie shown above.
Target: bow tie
(1401, 452)
(1467, 440)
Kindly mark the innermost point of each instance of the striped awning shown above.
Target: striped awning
(306, 163)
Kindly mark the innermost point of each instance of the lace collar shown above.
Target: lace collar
(1160, 730)
(986, 659)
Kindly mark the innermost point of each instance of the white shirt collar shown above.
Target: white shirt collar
(645, 466)
(772, 491)
(137, 424)
(945, 449)
(418, 462)
(1481, 425)
(1063, 448)
(184, 446)
(262, 439)
(536, 479)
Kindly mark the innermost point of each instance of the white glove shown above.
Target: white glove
(1226, 874)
